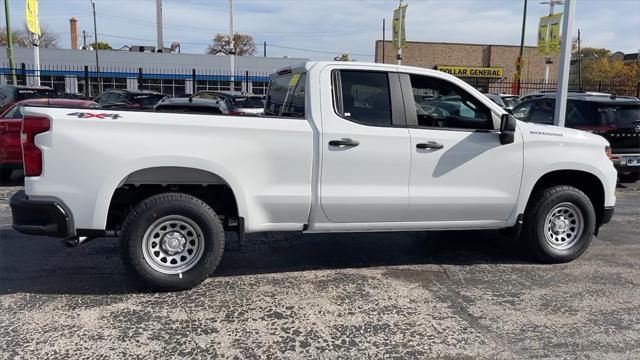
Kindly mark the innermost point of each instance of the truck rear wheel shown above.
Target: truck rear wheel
(172, 241)
(559, 224)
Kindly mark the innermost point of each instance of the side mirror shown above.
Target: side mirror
(507, 129)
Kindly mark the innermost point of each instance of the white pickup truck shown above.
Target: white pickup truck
(341, 147)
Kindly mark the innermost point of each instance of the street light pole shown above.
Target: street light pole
(12, 64)
(232, 50)
(95, 37)
(565, 62)
(521, 56)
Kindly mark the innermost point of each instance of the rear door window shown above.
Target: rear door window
(365, 97)
(542, 113)
(14, 113)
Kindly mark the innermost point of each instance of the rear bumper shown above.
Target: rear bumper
(621, 164)
(43, 216)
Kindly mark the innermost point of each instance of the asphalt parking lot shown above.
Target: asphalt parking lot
(393, 295)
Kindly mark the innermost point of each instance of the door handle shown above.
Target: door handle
(346, 142)
(429, 145)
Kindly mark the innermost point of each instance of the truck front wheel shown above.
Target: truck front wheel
(172, 241)
(559, 224)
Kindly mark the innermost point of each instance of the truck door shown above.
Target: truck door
(365, 147)
(459, 169)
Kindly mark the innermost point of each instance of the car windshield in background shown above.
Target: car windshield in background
(251, 102)
(148, 99)
(622, 116)
(511, 101)
(24, 94)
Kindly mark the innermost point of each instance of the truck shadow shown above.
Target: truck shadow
(43, 266)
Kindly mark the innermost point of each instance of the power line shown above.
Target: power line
(315, 50)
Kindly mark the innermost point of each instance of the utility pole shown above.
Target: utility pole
(95, 37)
(232, 50)
(521, 56)
(547, 58)
(565, 62)
(264, 50)
(160, 40)
(12, 64)
(383, 37)
(579, 64)
(84, 40)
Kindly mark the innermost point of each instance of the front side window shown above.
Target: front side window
(542, 113)
(441, 104)
(364, 97)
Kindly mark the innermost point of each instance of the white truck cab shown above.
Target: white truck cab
(341, 147)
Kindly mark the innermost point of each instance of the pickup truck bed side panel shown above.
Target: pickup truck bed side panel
(266, 161)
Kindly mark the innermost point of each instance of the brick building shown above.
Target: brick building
(470, 61)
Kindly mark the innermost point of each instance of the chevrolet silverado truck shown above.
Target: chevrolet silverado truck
(341, 147)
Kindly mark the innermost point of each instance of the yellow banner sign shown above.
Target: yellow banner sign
(31, 13)
(549, 34)
(399, 34)
(472, 71)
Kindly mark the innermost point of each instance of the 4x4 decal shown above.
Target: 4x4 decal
(87, 115)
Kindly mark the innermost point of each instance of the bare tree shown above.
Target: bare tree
(244, 45)
(22, 37)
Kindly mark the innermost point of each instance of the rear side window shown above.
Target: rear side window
(364, 97)
(15, 113)
(285, 96)
(620, 116)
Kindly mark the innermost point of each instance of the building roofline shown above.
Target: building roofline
(454, 43)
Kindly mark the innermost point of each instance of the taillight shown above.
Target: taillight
(31, 154)
(233, 112)
(607, 150)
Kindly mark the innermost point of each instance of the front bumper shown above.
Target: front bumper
(45, 216)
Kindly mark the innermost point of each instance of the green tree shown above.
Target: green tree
(243, 44)
(343, 57)
(102, 46)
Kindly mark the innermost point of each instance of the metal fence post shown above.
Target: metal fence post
(140, 78)
(87, 87)
(194, 88)
(246, 78)
(23, 72)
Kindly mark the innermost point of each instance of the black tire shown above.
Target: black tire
(535, 224)
(140, 220)
(5, 174)
(629, 177)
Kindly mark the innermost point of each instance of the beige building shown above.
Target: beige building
(469, 61)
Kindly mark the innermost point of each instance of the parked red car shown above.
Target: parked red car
(11, 94)
(11, 125)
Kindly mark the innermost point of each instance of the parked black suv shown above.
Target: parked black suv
(127, 99)
(11, 94)
(188, 105)
(617, 119)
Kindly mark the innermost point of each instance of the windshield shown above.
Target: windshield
(148, 99)
(24, 94)
(510, 101)
(251, 102)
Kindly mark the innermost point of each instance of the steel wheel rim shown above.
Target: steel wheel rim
(173, 244)
(563, 226)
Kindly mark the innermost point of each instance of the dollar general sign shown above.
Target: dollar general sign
(471, 71)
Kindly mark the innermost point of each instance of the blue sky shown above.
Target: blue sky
(320, 29)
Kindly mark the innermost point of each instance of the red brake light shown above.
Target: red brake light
(31, 154)
(233, 112)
